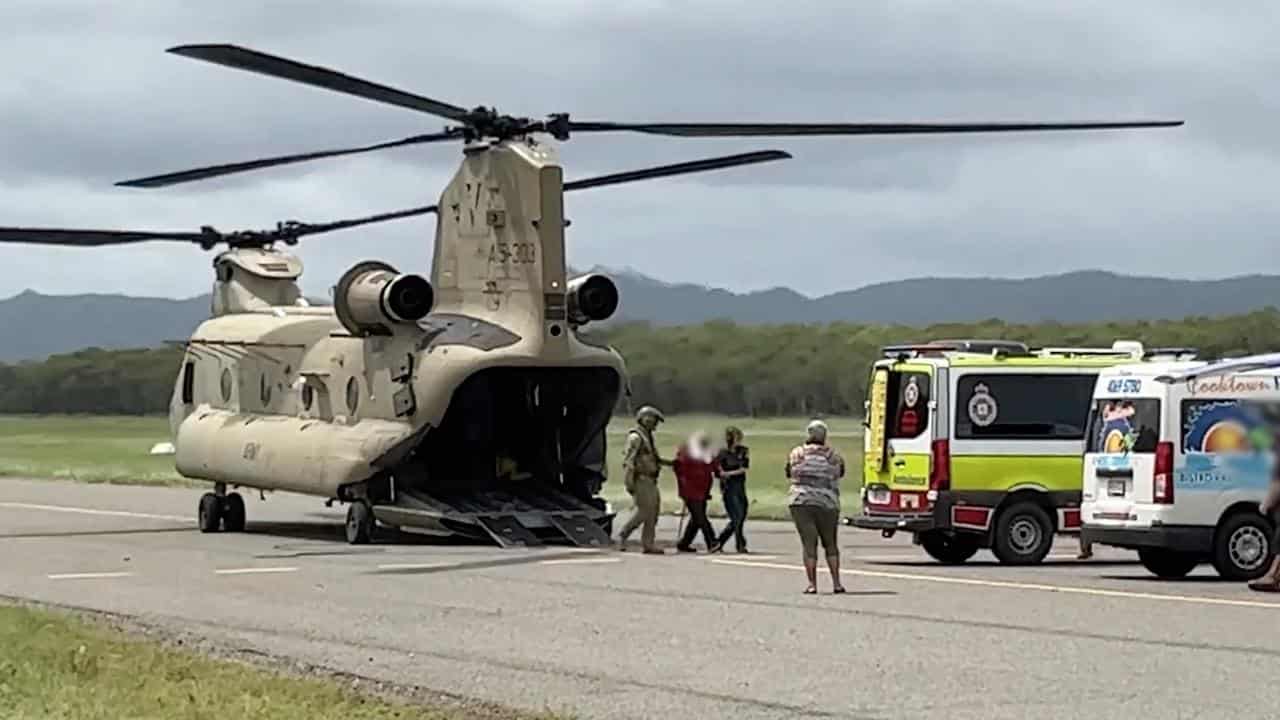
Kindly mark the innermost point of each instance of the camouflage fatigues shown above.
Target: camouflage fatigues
(640, 467)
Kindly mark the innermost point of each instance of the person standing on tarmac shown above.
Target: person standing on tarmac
(640, 467)
(731, 466)
(815, 469)
(1270, 508)
(695, 467)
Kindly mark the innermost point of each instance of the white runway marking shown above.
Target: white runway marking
(87, 576)
(580, 561)
(739, 558)
(908, 556)
(411, 566)
(92, 511)
(1098, 592)
(254, 570)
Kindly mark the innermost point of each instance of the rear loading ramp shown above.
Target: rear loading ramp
(527, 515)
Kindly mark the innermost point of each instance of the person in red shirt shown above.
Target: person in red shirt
(695, 467)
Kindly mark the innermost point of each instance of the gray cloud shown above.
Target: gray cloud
(89, 98)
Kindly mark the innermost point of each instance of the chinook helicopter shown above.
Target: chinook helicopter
(469, 403)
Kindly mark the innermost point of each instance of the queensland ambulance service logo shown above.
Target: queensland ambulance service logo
(982, 406)
(911, 393)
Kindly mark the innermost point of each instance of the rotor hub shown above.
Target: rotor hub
(483, 123)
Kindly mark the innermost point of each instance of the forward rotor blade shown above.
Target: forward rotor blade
(303, 229)
(241, 58)
(716, 163)
(230, 168)
(790, 129)
(95, 238)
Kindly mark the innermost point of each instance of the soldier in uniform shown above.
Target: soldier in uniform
(640, 467)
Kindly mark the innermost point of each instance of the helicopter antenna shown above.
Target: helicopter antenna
(290, 231)
(487, 123)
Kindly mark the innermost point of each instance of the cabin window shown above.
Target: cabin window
(188, 383)
(226, 385)
(353, 395)
(264, 390)
(1025, 406)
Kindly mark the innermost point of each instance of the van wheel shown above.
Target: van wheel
(1242, 547)
(1167, 563)
(951, 549)
(1024, 534)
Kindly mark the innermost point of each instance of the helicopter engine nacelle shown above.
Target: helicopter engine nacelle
(591, 297)
(372, 297)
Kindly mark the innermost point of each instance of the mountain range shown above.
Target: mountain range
(34, 325)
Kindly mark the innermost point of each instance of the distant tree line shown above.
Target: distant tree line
(715, 367)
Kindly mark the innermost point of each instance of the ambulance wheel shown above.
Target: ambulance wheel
(233, 514)
(210, 513)
(359, 523)
(947, 548)
(1024, 534)
(1242, 547)
(1168, 564)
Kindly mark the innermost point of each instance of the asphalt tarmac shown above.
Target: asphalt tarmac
(605, 634)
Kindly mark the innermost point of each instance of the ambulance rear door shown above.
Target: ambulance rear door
(901, 417)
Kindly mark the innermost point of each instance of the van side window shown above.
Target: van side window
(1023, 407)
(1224, 426)
(188, 383)
(907, 410)
(1120, 425)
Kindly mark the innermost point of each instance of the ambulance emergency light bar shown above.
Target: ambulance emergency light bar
(1130, 348)
(942, 346)
(1235, 365)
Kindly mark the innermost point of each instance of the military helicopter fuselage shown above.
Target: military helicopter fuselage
(466, 403)
(407, 390)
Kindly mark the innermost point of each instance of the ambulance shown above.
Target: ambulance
(973, 444)
(1178, 457)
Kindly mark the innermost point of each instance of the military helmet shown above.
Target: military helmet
(817, 431)
(649, 411)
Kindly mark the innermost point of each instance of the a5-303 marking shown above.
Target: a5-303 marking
(520, 253)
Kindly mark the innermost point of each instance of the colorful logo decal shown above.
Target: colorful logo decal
(1117, 435)
(1227, 445)
(1227, 427)
(983, 408)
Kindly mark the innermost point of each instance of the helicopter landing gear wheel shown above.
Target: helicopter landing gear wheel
(210, 513)
(233, 513)
(360, 522)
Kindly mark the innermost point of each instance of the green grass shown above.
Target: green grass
(55, 666)
(89, 448)
(114, 450)
(770, 441)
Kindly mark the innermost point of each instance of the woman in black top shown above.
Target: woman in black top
(731, 466)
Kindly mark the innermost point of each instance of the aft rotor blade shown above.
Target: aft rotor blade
(792, 129)
(231, 168)
(715, 163)
(297, 230)
(241, 58)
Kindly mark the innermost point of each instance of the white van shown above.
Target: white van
(1177, 459)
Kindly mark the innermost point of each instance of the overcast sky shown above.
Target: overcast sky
(89, 97)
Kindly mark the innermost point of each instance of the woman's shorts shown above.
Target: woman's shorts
(816, 524)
